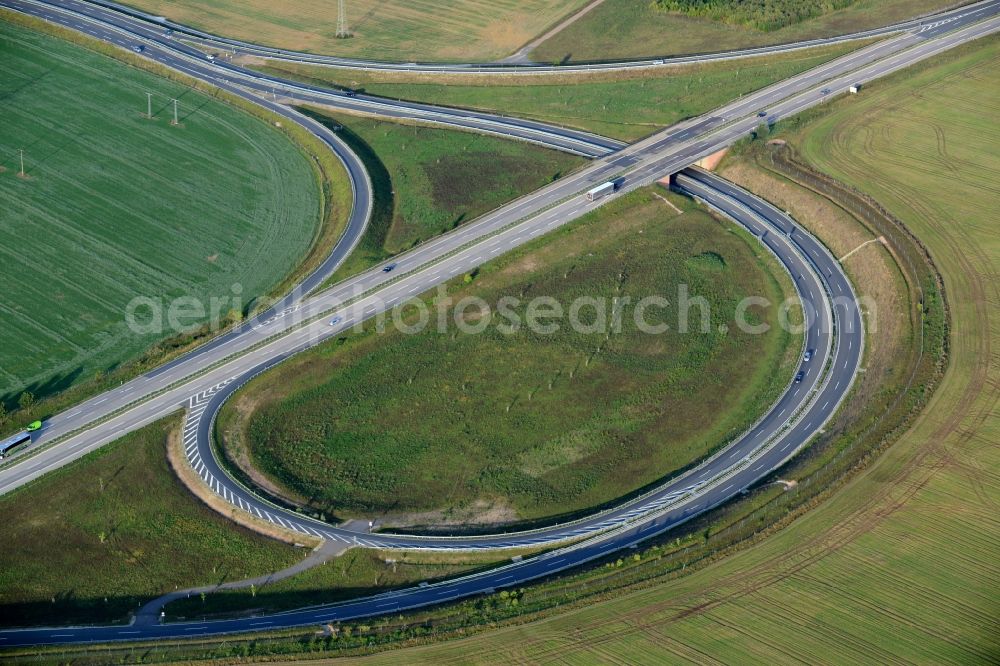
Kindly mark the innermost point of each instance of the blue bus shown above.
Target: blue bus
(14, 441)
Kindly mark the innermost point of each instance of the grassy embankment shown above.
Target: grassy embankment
(376, 416)
(356, 573)
(898, 564)
(630, 29)
(449, 30)
(92, 541)
(89, 542)
(428, 180)
(216, 191)
(623, 105)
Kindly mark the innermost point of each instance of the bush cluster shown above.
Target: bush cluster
(762, 15)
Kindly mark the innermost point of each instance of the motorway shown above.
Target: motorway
(818, 279)
(126, 31)
(121, 30)
(107, 10)
(202, 380)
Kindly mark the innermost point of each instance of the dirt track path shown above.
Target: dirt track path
(522, 54)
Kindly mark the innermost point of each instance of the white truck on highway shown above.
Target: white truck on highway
(602, 190)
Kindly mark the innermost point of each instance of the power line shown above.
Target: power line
(342, 31)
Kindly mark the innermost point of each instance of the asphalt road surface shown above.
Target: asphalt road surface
(765, 447)
(106, 10)
(129, 33)
(150, 397)
(198, 379)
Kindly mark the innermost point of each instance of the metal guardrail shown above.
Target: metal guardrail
(636, 502)
(510, 68)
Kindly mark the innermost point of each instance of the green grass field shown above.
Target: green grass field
(89, 542)
(636, 28)
(474, 427)
(623, 106)
(900, 564)
(115, 206)
(358, 572)
(457, 30)
(430, 180)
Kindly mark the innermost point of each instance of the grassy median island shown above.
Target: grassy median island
(499, 427)
(90, 541)
(899, 564)
(630, 29)
(623, 105)
(115, 206)
(429, 180)
(892, 564)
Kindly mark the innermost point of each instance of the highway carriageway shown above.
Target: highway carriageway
(106, 417)
(788, 426)
(507, 228)
(129, 32)
(136, 19)
(181, 57)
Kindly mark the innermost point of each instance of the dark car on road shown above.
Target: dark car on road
(762, 114)
(388, 268)
(799, 376)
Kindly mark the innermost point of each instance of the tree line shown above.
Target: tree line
(764, 15)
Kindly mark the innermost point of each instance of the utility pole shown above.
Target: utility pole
(175, 113)
(149, 105)
(21, 151)
(342, 21)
